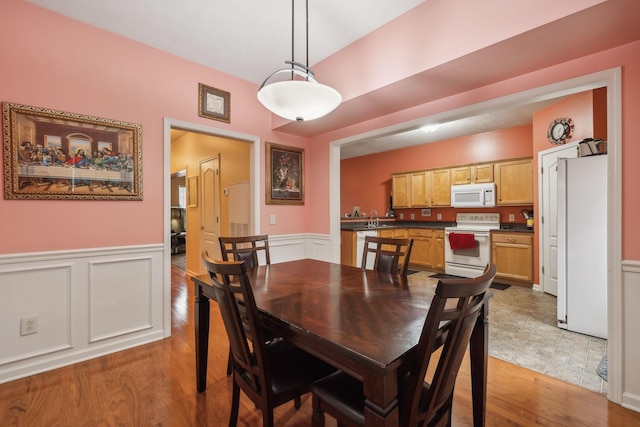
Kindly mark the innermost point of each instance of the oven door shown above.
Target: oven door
(473, 257)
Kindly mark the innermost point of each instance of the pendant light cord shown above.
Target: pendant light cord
(307, 33)
(293, 36)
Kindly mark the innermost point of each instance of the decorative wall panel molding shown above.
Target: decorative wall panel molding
(86, 304)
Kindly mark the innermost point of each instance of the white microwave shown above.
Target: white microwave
(473, 195)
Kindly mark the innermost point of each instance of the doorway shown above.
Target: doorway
(609, 79)
(191, 158)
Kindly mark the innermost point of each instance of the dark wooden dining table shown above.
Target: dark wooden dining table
(360, 321)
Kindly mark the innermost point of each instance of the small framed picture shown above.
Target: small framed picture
(214, 103)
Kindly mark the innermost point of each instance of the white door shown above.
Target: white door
(548, 233)
(210, 212)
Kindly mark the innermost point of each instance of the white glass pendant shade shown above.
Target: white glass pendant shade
(300, 100)
(300, 97)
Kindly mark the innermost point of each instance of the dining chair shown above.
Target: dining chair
(426, 395)
(245, 248)
(391, 254)
(269, 373)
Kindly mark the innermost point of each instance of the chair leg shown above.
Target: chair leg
(229, 363)
(267, 417)
(235, 404)
(317, 415)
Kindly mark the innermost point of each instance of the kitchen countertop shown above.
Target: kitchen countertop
(355, 225)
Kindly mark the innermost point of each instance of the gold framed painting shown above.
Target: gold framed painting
(51, 154)
(214, 103)
(284, 175)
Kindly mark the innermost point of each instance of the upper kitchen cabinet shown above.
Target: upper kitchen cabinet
(472, 174)
(400, 188)
(430, 188)
(421, 189)
(514, 182)
(441, 187)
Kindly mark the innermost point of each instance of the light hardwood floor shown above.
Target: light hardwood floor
(154, 385)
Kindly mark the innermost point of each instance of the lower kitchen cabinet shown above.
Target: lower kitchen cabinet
(438, 250)
(428, 248)
(396, 233)
(512, 253)
(422, 251)
(348, 247)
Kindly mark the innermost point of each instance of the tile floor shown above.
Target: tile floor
(522, 330)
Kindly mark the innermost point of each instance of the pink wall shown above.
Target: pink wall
(627, 57)
(366, 181)
(93, 72)
(82, 69)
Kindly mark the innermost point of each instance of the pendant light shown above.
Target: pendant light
(301, 97)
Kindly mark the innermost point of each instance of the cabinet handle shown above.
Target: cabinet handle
(510, 239)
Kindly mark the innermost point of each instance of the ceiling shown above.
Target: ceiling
(251, 47)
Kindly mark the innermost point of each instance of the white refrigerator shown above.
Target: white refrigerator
(582, 245)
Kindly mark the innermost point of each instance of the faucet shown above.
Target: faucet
(373, 223)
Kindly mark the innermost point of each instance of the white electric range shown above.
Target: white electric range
(471, 261)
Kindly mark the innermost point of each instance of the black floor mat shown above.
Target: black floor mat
(494, 285)
(411, 272)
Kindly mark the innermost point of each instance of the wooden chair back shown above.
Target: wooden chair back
(456, 305)
(391, 254)
(245, 248)
(241, 320)
(270, 373)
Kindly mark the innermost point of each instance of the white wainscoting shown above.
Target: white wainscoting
(630, 334)
(290, 247)
(87, 302)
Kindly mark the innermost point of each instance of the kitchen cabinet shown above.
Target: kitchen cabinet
(472, 174)
(400, 189)
(512, 253)
(420, 189)
(441, 187)
(514, 182)
(430, 188)
(348, 247)
(422, 250)
(428, 248)
(395, 233)
(438, 250)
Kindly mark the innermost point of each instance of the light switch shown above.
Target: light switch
(413, 216)
(439, 216)
(272, 219)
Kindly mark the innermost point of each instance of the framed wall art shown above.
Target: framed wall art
(285, 175)
(50, 154)
(214, 103)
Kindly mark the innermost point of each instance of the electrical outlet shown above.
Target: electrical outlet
(28, 325)
(413, 216)
(401, 216)
(439, 216)
(272, 219)
(512, 217)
